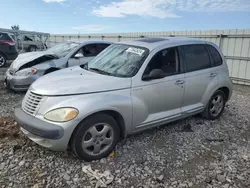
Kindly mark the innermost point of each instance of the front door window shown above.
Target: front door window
(165, 60)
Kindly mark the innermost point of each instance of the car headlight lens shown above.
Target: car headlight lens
(61, 114)
(26, 72)
(33, 70)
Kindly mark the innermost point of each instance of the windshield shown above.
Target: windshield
(119, 60)
(63, 49)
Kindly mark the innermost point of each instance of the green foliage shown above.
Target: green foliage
(15, 27)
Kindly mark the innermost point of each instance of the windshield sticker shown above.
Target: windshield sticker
(137, 51)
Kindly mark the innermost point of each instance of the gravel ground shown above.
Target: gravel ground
(189, 153)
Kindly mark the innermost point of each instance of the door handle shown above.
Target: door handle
(179, 82)
(212, 75)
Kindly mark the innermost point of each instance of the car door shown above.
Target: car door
(157, 101)
(200, 77)
(73, 61)
(75, 58)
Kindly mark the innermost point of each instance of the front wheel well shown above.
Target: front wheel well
(226, 91)
(117, 117)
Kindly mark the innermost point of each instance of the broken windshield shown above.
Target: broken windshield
(119, 60)
(62, 49)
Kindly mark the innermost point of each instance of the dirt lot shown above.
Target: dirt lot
(189, 153)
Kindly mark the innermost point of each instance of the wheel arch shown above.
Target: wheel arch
(226, 91)
(2, 53)
(114, 114)
(212, 89)
(32, 45)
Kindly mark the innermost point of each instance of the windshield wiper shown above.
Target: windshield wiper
(100, 71)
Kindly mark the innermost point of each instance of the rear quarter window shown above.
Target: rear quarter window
(215, 56)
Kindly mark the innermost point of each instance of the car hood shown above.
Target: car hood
(76, 80)
(30, 57)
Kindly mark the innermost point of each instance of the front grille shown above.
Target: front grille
(31, 102)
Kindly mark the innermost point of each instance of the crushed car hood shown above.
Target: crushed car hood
(76, 80)
(29, 59)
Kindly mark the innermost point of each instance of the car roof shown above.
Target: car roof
(96, 41)
(6, 33)
(89, 42)
(153, 43)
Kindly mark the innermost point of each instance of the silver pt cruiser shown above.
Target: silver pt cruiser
(129, 87)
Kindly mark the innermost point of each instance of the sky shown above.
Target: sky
(118, 16)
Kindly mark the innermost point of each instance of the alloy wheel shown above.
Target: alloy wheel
(217, 105)
(2, 60)
(97, 139)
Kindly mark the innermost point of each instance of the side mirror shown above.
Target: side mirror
(78, 55)
(154, 74)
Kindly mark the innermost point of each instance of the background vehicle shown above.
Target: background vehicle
(7, 48)
(129, 87)
(30, 66)
(30, 43)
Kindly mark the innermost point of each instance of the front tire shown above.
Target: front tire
(215, 106)
(95, 137)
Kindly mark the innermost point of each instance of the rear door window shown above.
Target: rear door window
(4, 36)
(196, 57)
(215, 56)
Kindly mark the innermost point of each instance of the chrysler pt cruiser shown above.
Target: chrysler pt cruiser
(129, 87)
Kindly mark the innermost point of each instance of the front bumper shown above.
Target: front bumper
(43, 133)
(19, 83)
(37, 126)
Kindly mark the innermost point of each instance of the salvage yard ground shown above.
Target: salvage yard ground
(189, 153)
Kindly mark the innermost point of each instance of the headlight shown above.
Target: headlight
(26, 72)
(61, 114)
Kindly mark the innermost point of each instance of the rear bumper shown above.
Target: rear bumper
(11, 55)
(19, 83)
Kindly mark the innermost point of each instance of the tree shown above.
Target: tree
(15, 27)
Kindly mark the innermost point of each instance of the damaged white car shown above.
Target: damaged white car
(28, 67)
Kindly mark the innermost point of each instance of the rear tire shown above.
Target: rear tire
(32, 48)
(215, 106)
(95, 137)
(3, 60)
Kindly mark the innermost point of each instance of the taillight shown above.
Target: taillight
(9, 42)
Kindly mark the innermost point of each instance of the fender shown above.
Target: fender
(88, 104)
